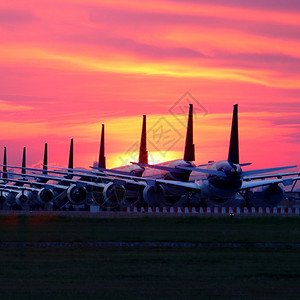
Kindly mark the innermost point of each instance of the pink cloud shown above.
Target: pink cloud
(67, 66)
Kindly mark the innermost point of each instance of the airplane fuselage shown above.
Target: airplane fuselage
(220, 188)
(172, 173)
(135, 170)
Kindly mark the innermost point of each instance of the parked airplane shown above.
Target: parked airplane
(15, 194)
(136, 170)
(166, 170)
(222, 179)
(228, 178)
(65, 189)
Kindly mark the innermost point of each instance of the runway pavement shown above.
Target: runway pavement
(140, 212)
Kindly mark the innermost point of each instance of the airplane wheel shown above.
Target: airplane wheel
(203, 204)
(247, 204)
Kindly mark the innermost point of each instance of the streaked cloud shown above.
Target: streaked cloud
(69, 65)
(7, 107)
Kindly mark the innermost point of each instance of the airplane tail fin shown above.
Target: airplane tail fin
(70, 165)
(143, 155)
(233, 154)
(189, 151)
(4, 175)
(24, 161)
(45, 162)
(102, 159)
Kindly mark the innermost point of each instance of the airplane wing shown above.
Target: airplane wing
(79, 183)
(178, 169)
(258, 183)
(245, 185)
(188, 185)
(16, 188)
(268, 170)
(158, 167)
(277, 175)
(80, 173)
(200, 170)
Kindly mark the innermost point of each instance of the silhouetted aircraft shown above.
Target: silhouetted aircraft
(220, 181)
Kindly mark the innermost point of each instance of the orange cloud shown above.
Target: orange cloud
(110, 62)
(6, 106)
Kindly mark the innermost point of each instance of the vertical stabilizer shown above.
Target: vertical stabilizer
(143, 155)
(189, 151)
(45, 162)
(24, 161)
(70, 165)
(233, 155)
(102, 159)
(4, 175)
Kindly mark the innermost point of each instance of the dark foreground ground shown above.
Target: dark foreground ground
(148, 273)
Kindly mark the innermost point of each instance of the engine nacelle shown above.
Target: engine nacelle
(113, 194)
(24, 197)
(45, 196)
(134, 195)
(272, 194)
(10, 198)
(76, 195)
(172, 195)
(153, 195)
(2, 198)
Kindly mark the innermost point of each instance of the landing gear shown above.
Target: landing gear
(247, 195)
(194, 199)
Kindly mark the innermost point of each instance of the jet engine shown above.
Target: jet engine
(45, 196)
(76, 195)
(2, 198)
(172, 195)
(134, 195)
(24, 197)
(113, 194)
(272, 194)
(10, 198)
(153, 195)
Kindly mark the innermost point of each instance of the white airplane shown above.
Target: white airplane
(65, 188)
(224, 179)
(167, 170)
(170, 170)
(133, 189)
(128, 169)
(221, 180)
(38, 191)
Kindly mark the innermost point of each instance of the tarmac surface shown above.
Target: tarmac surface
(149, 245)
(158, 214)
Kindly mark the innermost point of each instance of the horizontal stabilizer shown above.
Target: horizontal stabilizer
(105, 171)
(204, 165)
(245, 164)
(158, 167)
(206, 171)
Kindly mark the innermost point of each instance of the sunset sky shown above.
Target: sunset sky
(66, 66)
